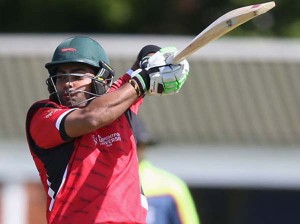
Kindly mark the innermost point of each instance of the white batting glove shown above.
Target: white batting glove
(160, 57)
(166, 79)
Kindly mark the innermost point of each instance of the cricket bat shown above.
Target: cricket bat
(221, 26)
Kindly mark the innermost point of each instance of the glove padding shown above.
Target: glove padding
(169, 79)
(158, 77)
(166, 79)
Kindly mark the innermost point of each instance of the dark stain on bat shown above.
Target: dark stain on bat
(229, 23)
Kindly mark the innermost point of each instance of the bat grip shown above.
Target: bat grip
(172, 59)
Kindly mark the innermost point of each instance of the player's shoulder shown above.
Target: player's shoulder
(42, 106)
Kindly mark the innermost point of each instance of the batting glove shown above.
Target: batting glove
(166, 79)
(143, 56)
(169, 79)
(157, 77)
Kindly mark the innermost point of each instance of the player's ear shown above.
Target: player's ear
(103, 79)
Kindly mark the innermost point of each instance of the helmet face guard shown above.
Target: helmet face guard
(100, 83)
(86, 51)
(103, 80)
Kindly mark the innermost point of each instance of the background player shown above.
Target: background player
(169, 198)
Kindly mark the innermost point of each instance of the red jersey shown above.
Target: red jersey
(92, 178)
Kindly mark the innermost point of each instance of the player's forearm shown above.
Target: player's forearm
(101, 111)
(113, 105)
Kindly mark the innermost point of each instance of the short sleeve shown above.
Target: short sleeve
(46, 127)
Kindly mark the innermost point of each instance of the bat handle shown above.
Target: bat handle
(173, 59)
(169, 60)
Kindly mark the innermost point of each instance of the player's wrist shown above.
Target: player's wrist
(143, 80)
(140, 80)
(136, 87)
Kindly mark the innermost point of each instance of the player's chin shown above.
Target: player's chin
(67, 103)
(76, 103)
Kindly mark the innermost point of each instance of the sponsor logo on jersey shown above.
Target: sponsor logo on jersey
(107, 140)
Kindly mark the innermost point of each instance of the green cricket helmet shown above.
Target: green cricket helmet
(84, 50)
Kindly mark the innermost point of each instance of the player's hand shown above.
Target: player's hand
(166, 79)
(159, 78)
(169, 79)
(149, 65)
(160, 58)
(143, 56)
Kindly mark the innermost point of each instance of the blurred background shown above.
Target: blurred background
(232, 133)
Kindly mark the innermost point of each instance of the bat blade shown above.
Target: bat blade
(221, 26)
